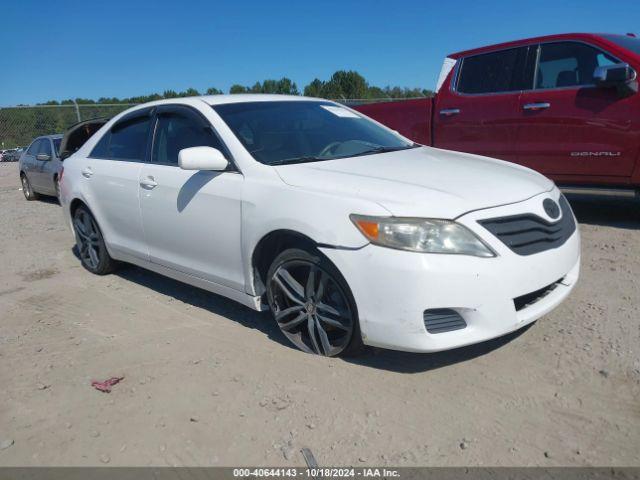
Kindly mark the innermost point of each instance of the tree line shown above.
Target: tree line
(18, 126)
(343, 85)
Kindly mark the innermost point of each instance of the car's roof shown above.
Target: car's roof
(526, 41)
(52, 137)
(235, 98)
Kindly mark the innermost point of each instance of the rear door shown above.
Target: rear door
(29, 161)
(41, 182)
(478, 113)
(567, 125)
(191, 218)
(111, 174)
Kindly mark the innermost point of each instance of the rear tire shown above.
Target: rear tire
(90, 243)
(312, 304)
(27, 189)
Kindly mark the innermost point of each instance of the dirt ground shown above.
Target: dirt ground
(209, 382)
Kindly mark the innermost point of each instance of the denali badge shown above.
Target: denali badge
(595, 154)
(551, 207)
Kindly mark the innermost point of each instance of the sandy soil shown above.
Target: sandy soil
(209, 382)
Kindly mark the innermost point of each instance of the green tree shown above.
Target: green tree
(346, 84)
(314, 89)
(214, 91)
(237, 88)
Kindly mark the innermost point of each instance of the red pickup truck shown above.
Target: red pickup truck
(565, 105)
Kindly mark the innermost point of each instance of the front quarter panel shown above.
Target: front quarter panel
(271, 205)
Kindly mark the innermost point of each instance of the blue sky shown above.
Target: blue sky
(67, 49)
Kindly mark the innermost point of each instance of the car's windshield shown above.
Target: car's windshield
(56, 144)
(625, 41)
(281, 132)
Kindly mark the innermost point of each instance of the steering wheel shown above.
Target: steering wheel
(329, 148)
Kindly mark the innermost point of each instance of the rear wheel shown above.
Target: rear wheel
(27, 190)
(312, 304)
(91, 248)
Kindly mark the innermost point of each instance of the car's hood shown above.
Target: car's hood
(421, 182)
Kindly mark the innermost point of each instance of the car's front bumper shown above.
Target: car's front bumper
(393, 288)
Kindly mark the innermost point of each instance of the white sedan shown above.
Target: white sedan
(348, 232)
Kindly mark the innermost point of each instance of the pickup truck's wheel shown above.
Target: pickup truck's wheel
(28, 192)
(91, 248)
(312, 304)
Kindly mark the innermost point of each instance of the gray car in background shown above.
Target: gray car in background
(40, 166)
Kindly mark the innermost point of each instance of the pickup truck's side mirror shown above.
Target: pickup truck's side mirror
(202, 158)
(43, 157)
(614, 75)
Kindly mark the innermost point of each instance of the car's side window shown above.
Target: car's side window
(569, 64)
(101, 150)
(33, 148)
(496, 72)
(45, 146)
(127, 140)
(175, 131)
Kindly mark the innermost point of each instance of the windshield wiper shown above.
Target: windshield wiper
(382, 149)
(304, 159)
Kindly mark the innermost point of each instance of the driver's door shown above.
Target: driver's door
(567, 125)
(191, 219)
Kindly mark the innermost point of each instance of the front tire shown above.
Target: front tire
(27, 189)
(90, 242)
(312, 304)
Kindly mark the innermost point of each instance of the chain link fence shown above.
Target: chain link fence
(20, 125)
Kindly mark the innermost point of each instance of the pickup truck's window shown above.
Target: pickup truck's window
(56, 145)
(175, 132)
(569, 64)
(281, 132)
(503, 71)
(630, 43)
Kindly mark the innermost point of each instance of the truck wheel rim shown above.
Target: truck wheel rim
(311, 308)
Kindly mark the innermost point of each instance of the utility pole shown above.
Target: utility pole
(77, 111)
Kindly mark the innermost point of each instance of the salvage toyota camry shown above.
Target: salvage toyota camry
(348, 232)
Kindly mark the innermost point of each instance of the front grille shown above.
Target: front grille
(528, 299)
(439, 320)
(528, 234)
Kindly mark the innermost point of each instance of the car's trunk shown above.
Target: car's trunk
(78, 134)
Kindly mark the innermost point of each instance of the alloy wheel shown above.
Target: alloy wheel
(26, 188)
(311, 308)
(88, 238)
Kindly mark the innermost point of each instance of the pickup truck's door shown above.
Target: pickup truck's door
(567, 126)
(477, 110)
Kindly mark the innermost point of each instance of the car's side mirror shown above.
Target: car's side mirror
(614, 75)
(43, 157)
(202, 158)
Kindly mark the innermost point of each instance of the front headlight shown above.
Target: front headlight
(427, 235)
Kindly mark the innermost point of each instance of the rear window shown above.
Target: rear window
(56, 145)
(503, 71)
(125, 141)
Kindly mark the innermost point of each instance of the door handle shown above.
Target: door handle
(450, 112)
(536, 106)
(148, 183)
(87, 172)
